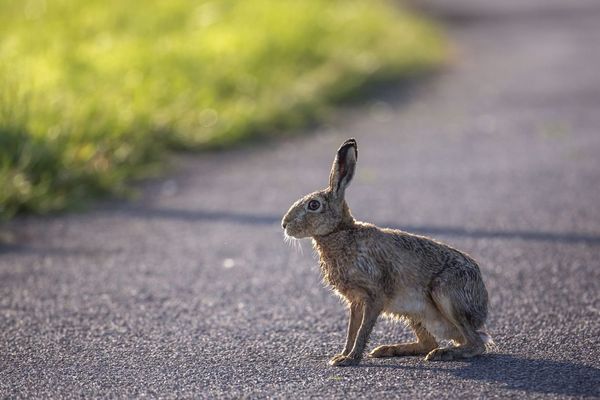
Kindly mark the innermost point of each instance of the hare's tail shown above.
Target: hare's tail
(487, 340)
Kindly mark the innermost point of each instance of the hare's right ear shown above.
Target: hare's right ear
(342, 170)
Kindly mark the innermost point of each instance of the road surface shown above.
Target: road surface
(190, 291)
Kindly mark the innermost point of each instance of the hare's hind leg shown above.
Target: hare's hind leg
(470, 343)
(424, 344)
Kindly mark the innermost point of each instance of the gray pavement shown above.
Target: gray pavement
(191, 292)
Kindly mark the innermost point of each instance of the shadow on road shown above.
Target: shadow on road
(565, 237)
(542, 376)
(257, 219)
(267, 220)
(456, 15)
(529, 375)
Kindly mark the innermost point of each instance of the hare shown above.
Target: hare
(437, 290)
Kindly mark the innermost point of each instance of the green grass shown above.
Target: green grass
(93, 92)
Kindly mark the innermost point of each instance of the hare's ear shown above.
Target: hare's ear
(342, 170)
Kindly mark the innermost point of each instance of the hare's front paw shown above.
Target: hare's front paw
(343, 361)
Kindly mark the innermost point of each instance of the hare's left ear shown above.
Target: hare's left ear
(342, 170)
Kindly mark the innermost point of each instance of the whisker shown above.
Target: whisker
(293, 242)
(299, 244)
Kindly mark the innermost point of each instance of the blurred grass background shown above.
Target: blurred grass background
(93, 92)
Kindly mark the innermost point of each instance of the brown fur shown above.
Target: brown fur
(436, 289)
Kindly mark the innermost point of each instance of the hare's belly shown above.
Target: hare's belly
(416, 307)
(408, 304)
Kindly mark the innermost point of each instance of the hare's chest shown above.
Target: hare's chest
(336, 274)
(344, 275)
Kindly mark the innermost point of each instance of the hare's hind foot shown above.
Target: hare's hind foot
(424, 344)
(401, 349)
(343, 361)
(454, 353)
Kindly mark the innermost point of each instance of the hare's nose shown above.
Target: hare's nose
(283, 224)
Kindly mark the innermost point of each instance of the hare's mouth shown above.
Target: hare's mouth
(290, 233)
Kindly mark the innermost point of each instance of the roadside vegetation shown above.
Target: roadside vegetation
(93, 93)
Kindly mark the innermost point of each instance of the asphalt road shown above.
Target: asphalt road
(191, 292)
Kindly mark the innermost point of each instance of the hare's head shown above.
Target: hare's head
(325, 211)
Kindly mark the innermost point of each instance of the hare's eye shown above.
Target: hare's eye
(314, 205)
